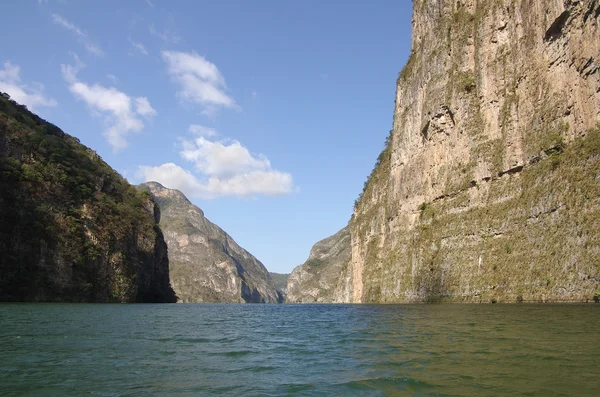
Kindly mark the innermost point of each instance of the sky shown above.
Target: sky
(267, 114)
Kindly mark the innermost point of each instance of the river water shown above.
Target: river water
(299, 350)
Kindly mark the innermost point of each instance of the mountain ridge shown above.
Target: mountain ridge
(71, 228)
(207, 265)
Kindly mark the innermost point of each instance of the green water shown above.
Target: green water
(299, 350)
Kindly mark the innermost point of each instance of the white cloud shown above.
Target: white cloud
(220, 169)
(121, 115)
(10, 82)
(142, 106)
(222, 159)
(174, 177)
(150, 3)
(200, 130)
(272, 183)
(199, 80)
(80, 34)
(167, 35)
(138, 48)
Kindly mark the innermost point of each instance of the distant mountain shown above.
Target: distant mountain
(317, 279)
(280, 281)
(206, 264)
(71, 228)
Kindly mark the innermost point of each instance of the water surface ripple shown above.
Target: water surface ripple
(299, 350)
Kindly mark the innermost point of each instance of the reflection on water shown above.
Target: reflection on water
(300, 350)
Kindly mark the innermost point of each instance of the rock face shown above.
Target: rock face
(71, 228)
(318, 279)
(488, 188)
(206, 264)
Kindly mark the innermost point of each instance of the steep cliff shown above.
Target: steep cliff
(317, 279)
(489, 186)
(206, 263)
(71, 228)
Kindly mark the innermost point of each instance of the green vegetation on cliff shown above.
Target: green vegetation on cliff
(538, 245)
(71, 228)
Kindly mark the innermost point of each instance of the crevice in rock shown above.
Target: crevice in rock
(588, 68)
(591, 10)
(425, 130)
(547, 212)
(447, 109)
(443, 196)
(556, 29)
(511, 171)
(587, 64)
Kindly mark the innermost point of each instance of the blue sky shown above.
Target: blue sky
(268, 115)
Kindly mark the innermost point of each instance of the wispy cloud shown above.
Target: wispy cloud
(121, 113)
(80, 34)
(199, 81)
(10, 82)
(166, 35)
(150, 3)
(113, 79)
(220, 168)
(200, 130)
(138, 48)
(143, 107)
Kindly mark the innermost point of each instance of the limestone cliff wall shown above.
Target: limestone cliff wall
(489, 186)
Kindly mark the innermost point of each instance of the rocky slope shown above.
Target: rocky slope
(488, 188)
(317, 279)
(206, 263)
(71, 228)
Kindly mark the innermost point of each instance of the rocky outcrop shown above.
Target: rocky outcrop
(317, 280)
(206, 264)
(488, 187)
(71, 228)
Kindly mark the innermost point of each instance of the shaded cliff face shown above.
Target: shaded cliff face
(488, 188)
(318, 279)
(206, 263)
(71, 228)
